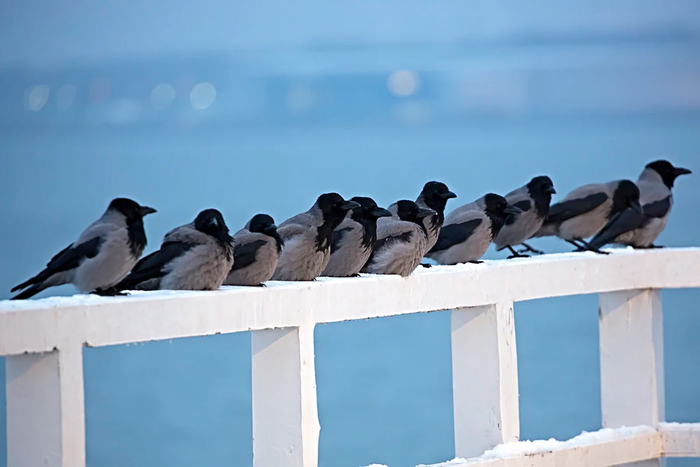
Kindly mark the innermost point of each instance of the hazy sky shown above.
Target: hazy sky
(41, 31)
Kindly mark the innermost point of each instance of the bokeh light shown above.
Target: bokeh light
(403, 83)
(162, 96)
(36, 97)
(202, 95)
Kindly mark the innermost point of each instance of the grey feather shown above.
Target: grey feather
(265, 255)
(189, 259)
(470, 242)
(533, 199)
(348, 253)
(101, 257)
(307, 239)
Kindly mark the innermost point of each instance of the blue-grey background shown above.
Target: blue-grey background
(499, 91)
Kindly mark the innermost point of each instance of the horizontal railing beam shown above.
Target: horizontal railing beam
(40, 326)
(606, 447)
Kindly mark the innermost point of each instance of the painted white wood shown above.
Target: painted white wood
(285, 416)
(681, 439)
(484, 378)
(601, 454)
(632, 360)
(45, 409)
(45, 388)
(33, 326)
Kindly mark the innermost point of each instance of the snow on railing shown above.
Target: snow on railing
(43, 341)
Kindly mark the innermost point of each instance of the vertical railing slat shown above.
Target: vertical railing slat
(484, 378)
(285, 414)
(632, 359)
(46, 409)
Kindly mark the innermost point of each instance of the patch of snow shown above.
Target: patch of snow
(675, 426)
(523, 448)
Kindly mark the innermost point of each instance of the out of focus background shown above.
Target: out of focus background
(261, 106)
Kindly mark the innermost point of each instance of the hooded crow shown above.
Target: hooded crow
(257, 250)
(308, 237)
(194, 256)
(354, 238)
(533, 200)
(641, 230)
(102, 255)
(469, 230)
(587, 209)
(434, 196)
(401, 240)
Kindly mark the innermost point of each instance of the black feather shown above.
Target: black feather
(338, 235)
(524, 205)
(658, 208)
(622, 222)
(387, 242)
(454, 234)
(566, 210)
(244, 254)
(65, 260)
(153, 265)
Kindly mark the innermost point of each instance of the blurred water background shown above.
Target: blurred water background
(261, 106)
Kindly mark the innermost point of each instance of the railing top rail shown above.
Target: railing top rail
(43, 325)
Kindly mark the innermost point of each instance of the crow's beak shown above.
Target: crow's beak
(381, 212)
(447, 195)
(145, 210)
(681, 171)
(550, 190)
(348, 205)
(425, 212)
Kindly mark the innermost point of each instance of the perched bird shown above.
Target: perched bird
(354, 238)
(400, 242)
(102, 255)
(533, 200)
(308, 237)
(585, 211)
(641, 230)
(257, 249)
(194, 256)
(469, 230)
(434, 196)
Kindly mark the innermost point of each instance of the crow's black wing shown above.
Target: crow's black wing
(65, 260)
(622, 222)
(454, 234)
(152, 266)
(566, 210)
(244, 254)
(338, 237)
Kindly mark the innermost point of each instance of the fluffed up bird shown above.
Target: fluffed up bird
(354, 239)
(102, 256)
(469, 230)
(194, 256)
(400, 242)
(308, 237)
(641, 230)
(434, 196)
(533, 200)
(587, 209)
(257, 250)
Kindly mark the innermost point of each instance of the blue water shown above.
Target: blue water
(384, 387)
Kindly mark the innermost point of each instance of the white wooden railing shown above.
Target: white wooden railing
(43, 341)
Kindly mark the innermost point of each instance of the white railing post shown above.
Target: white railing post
(632, 359)
(484, 378)
(285, 414)
(46, 409)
